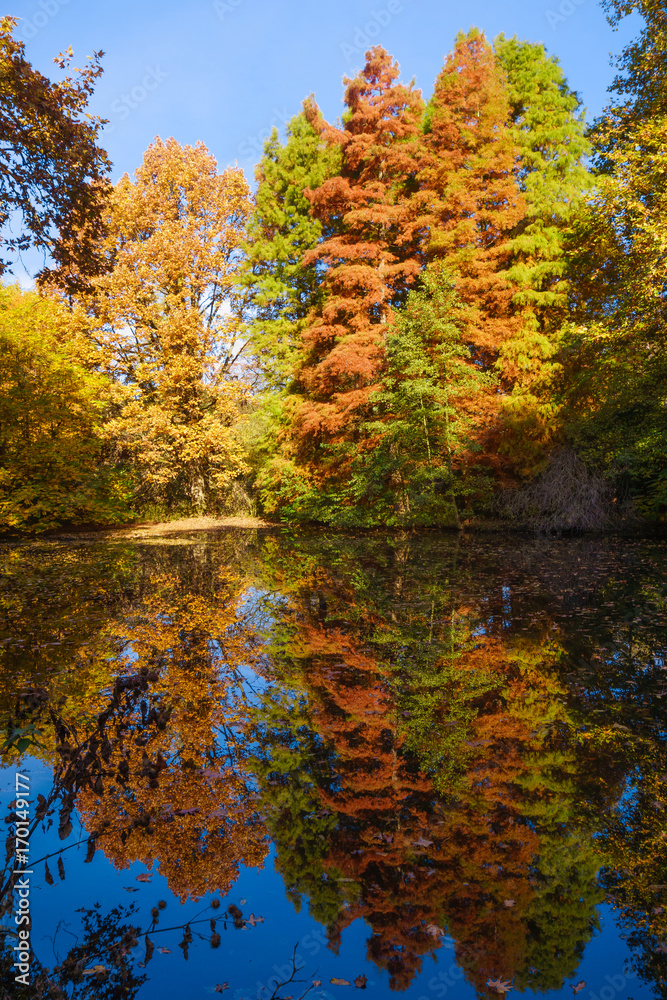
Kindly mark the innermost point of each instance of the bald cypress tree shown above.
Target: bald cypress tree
(367, 265)
(549, 132)
(474, 200)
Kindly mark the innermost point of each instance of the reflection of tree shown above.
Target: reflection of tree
(398, 676)
(107, 943)
(153, 760)
(175, 789)
(442, 728)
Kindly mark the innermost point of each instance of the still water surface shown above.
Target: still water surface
(423, 764)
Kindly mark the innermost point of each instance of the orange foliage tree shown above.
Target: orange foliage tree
(369, 263)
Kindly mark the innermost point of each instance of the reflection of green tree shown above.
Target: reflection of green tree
(496, 714)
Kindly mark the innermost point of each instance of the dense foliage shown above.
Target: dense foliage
(432, 311)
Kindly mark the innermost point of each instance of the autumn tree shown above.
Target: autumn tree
(548, 129)
(163, 322)
(420, 434)
(475, 201)
(367, 265)
(54, 464)
(53, 174)
(613, 384)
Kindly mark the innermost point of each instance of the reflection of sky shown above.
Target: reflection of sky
(252, 957)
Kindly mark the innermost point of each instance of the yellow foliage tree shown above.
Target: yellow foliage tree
(163, 321)
(52, 408)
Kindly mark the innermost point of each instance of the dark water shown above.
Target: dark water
(438, 763)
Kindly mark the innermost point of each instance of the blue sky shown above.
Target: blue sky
(225, 71)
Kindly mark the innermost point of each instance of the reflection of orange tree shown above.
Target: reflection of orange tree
(480, 848)
(175, 788)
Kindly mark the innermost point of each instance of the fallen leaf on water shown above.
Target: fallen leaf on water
(421, 842)
(340, 982)
(508, 902)
(435, 931)
(146, 877)
(317, 982)
(579, 987)
(243, 901)
(360, 982)
(252, 920)
(165, 951)
(130, 888)
(219, 987)
(499, 986)
(96, 969)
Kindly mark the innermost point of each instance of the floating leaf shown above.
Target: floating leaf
(165, 951)
(360, 982)
(435, 931)
(219, 987)
(95, 971)
(578, 987)
(499, 986)
(146, 877)
(340, 982)
(508, 902)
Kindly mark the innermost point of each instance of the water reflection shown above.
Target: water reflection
(459, 742)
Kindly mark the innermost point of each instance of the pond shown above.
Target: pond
(277, 763)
